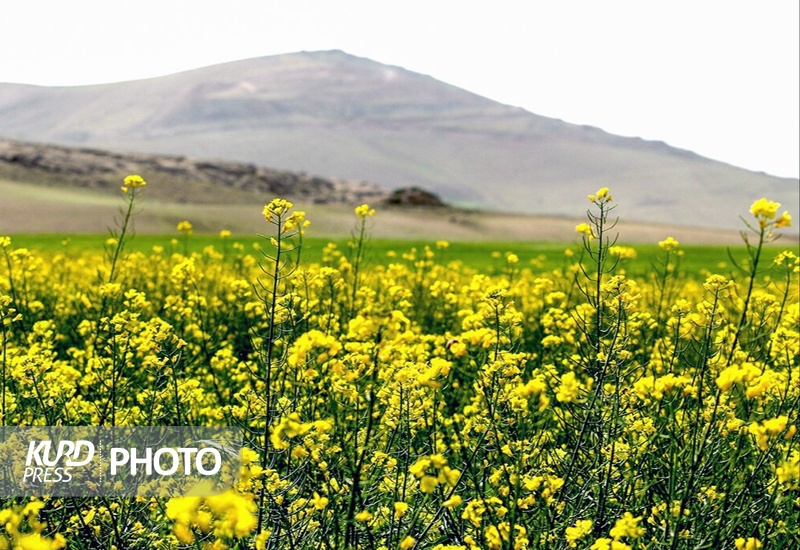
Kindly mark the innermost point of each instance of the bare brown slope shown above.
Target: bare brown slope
(31, 209)
(55, 189)
(334, 114)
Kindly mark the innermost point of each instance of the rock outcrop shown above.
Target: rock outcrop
(413, 196)
(178, 178)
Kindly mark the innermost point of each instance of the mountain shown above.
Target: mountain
(342, 116)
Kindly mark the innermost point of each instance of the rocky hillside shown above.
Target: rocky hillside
(174, 178)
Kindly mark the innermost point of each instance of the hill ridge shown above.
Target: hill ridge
(333, 113)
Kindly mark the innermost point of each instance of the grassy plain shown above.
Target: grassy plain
(37, 208)
(488, 257)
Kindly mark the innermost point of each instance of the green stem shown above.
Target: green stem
(268, 365)
(121, 237)
(751, 283)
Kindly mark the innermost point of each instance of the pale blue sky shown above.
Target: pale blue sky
(719, 77)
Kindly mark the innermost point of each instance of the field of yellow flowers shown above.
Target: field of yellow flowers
(419, 403)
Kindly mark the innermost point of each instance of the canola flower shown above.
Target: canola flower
(749, 543)
(23, 530)
(601, 196)
(226, 516)
(627, 526)
(276, 208)
(575, 533)
(584, 229)
(185, 227)
(364, 210)
(418, 403)
(668, 244)
(765, 210)
(133, 182)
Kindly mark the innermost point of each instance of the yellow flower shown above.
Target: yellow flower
(407, 543)
(764, 208)
(419, 467)
(133, 181)
(297, 221)
(228, 515)
(319, 502)
(585, 229)
(363, 516)
(452, 502)
(276, 208)
(602, 196)
(224, 234)
(786, 257)
(582, 528)
(448, 475)
(184, 227)
(261, 540)
(234, 514)
(749, 543)
(608, 544)
(428, 483)
(183, 533)
(627, 526)
(774, 426)
(623, 252)
(784, 221)
(771, 427)
(364, 210)
(35, 541)
(400, 509)
(183, 509)
(788, 472)
(717, 283)
(569, 389)
(668, 244)
(494, 537)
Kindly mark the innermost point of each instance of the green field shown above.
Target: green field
(489, 257)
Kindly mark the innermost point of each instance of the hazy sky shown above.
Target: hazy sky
(719, 77)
